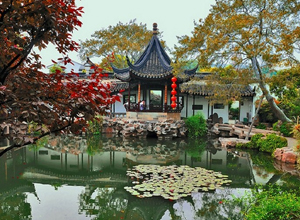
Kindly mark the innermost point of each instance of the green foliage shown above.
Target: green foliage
(95, 125)
(285, 86)
(268, 144)
(32, 126)
(40, 143)
(261, 126)
(238, 32)
(116, 42)
(254, 142)
(55, 68)
(234, 112)
(196, 125)
(285, 128)
(272, 142)
(268, 203)
(265, 113)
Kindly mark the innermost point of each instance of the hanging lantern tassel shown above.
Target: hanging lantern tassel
(173, 92)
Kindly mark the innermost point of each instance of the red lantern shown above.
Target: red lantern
(173, 92)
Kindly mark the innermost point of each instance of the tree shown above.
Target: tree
(115, 42)
(28, 23)
(249, 34)
(285, 85)
(55, 102)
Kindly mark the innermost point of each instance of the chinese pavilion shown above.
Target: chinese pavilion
(151, 87)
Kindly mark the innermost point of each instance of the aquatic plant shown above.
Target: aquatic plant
(172, 182)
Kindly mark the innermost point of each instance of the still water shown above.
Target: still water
(84, 178)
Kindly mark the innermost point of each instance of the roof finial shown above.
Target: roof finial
(155, 30)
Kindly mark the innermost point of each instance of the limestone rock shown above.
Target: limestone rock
(286, 155)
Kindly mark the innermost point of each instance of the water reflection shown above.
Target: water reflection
(79, 178)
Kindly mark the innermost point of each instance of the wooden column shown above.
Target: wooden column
(166, 94)
(166, 97)
(129, 96)
(139, 92)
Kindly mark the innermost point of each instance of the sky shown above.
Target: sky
(174, 18)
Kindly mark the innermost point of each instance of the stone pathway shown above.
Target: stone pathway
(292, 142)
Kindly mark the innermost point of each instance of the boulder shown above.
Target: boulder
(286, 155)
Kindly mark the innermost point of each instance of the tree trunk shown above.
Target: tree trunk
(255, 116)
(276, 110)
(274, 107)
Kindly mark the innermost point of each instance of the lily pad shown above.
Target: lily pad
(173, 182)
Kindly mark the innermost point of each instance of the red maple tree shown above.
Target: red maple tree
(51, 102)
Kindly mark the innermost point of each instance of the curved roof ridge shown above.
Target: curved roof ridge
(146, 52)
(192, 71)
(153, 46)
(119, 71)
(162, 52)
(121, 74)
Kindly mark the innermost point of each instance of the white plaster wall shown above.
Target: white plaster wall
(246, 108)
(118, 107)
(190, 105)
(199, 100)
(223, 113)
(183, 111)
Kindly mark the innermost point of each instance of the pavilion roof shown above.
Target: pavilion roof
(154, 63)
(200, 88)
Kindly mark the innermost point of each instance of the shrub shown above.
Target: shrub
(254, 142)
(261, 126)
(296, 134)
(271, 142)
(196, 125)
(284, 128)
(268, 144)
(270, 202)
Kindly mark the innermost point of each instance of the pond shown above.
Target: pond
(84, 178)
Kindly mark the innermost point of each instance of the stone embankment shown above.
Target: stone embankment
(166, 129)
(285, 154)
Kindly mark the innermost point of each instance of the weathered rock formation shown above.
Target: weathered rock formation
(231, 142)
(286, 155)
(237, 130)
(166, 129)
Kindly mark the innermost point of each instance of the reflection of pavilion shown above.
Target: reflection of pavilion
(116, 156)
(107, 170)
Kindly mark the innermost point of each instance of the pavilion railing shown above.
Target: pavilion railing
(134, 107)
